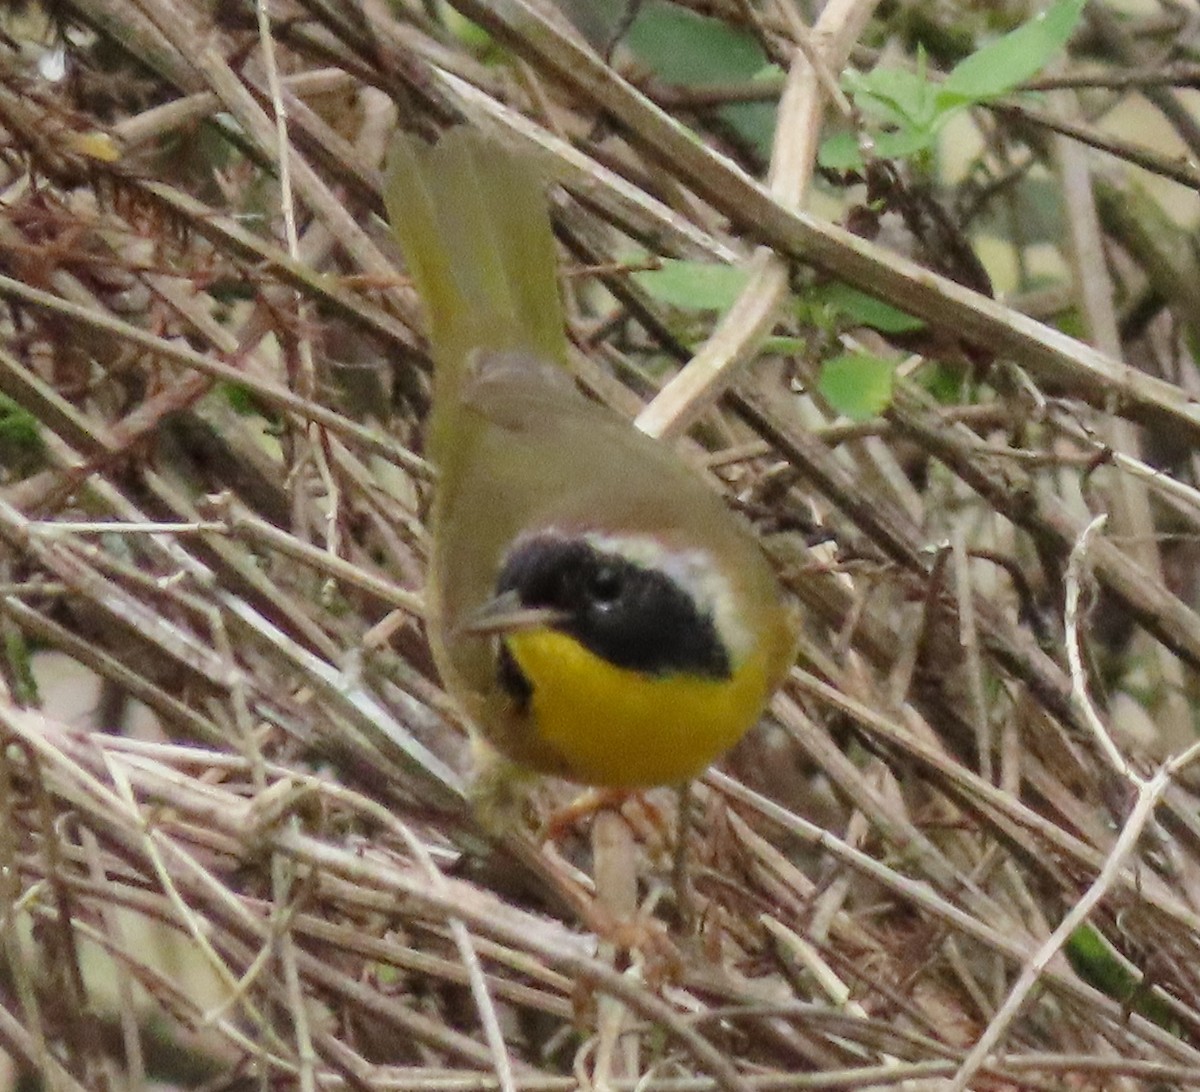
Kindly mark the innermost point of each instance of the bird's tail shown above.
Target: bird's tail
(472, 220)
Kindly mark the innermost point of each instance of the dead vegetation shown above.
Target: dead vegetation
(964, 847)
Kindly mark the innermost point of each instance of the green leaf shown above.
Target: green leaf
(241, 398)
(468, 33)
(1093, 959)
(682, 47)
(906, 142)
(1012, 59)
(894, 95)
(19, 429)
(693, 50)
(858, 385)
(840, 153)
(693, 286)
(905, 101)
(782, 345)
(20, 668)
(864, 310)
(915, 110)
(754, 122)
(942, 381)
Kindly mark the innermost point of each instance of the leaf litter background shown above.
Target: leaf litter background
(240, 855)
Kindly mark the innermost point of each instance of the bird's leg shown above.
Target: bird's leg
(587, 805)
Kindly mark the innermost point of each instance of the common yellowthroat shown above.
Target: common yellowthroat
(594, 607)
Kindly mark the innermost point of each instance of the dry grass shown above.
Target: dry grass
(959, 851)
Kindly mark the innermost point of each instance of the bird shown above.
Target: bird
(593, 605)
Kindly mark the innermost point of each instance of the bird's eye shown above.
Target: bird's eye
(606, 586)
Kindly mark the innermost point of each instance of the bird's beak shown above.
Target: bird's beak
(504, 614)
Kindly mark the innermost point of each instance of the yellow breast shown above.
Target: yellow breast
(622, 728)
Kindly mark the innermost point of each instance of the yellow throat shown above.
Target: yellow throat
(619, 727)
